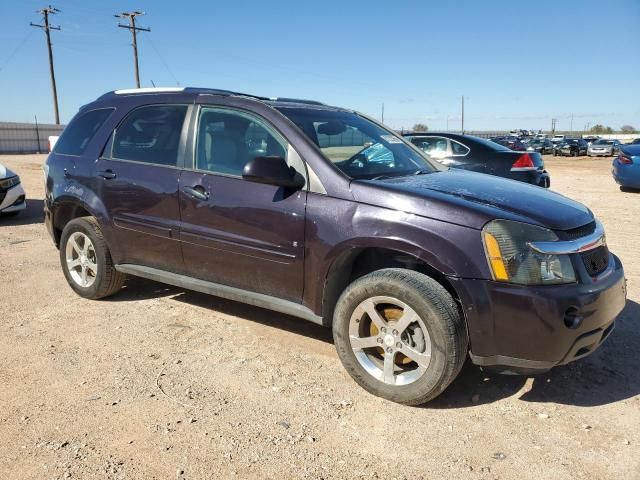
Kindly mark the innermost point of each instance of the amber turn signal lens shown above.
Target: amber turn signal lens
(495, 257)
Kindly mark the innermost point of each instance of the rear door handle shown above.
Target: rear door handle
(107, 174)
(196, 192)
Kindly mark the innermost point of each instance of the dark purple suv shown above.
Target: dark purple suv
(322, 213)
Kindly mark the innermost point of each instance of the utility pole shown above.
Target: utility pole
(553, 125)
(462, 120)
(45, 12)
(571, 127)
(131, 16)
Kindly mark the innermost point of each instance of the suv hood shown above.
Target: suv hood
(472, 199)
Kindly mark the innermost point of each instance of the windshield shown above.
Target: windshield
(358, 147)
(603, 142)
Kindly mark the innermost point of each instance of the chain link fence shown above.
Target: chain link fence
(26, 137)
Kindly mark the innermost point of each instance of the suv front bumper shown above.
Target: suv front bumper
(522, 329)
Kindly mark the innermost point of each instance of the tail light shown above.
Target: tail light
(624, 159)
(523, 164)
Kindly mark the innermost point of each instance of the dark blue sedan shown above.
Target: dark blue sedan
(626, 167)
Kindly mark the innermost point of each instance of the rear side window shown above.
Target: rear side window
(150, 135)
(76, 136)
(458, 148)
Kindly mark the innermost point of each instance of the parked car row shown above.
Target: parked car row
(561, 145)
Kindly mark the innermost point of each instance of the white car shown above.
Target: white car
(12, 196)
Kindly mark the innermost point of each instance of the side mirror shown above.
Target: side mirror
(272, 171)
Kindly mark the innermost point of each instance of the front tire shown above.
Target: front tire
(400, 335)
(86, 260)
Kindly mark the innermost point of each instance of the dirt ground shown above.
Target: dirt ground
(161, 383)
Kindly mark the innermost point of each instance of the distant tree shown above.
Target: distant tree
(420, 127)
(601, 129)
(627, 129)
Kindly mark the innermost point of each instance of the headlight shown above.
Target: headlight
(511, 259)
(9, 182)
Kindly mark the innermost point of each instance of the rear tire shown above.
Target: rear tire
(86, 260)
(404, 303)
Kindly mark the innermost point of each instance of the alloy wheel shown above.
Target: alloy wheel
(390, 340)
(81, 258)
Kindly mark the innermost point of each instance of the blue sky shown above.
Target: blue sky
(518, 64)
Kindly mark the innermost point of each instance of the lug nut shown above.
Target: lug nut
(383, 330)
(389, 349)
(399, 345)
(379, 340)
(395, 332)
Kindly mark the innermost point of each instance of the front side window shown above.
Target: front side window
(76, 136)
(357, 146)
(228, 139)
(150, 134)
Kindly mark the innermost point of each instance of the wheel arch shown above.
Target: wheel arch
(355, 261)
(67, 208)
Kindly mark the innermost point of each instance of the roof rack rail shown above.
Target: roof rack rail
(202, 91)
(129, 91)
(296, 100)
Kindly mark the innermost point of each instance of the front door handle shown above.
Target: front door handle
(197, 192)
(107, 174)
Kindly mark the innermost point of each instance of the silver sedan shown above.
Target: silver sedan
(603, 148)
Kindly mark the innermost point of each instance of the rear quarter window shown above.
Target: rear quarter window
(80, 131)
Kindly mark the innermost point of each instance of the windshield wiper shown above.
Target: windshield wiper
(422, 171)
(383, 177)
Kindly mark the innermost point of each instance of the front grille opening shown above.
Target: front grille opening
(578, 232)
(596, 261)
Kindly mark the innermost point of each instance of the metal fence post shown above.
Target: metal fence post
(37, 134)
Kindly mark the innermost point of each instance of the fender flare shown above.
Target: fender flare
(91, 203)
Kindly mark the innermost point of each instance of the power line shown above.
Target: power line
(16, 50)
(131, 16)
(166, 65)
(45, 12)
